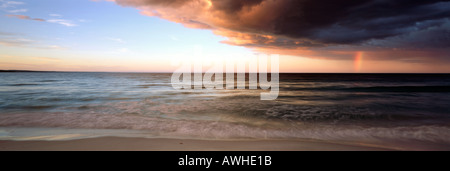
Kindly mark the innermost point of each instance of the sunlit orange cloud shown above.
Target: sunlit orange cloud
(238, 26)
(202, 14)
(189, 15)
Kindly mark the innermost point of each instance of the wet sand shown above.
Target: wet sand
(146, 144)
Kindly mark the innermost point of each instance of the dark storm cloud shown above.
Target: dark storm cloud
(430, 34)
(346, 21)
(290, 24)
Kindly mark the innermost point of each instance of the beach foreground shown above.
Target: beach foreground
(146, 144)
(312, 112)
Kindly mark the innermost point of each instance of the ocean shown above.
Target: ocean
(395, 111)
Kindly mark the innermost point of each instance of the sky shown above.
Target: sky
(343, 36)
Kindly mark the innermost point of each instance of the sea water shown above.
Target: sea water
(398, 111)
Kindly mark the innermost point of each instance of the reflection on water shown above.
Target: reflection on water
(366, 108)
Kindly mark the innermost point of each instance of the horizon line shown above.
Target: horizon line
(224, 72)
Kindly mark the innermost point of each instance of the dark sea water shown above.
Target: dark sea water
(397, 111)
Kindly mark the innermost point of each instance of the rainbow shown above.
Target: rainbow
(358, 61)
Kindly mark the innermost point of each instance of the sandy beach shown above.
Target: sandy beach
(145, 144)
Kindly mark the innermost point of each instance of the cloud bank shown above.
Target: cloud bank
(321, 28)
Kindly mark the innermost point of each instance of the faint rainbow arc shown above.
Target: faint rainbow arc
(358, 61)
